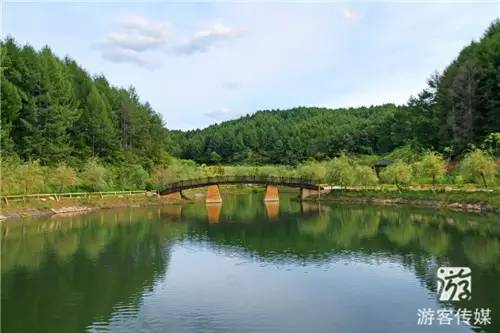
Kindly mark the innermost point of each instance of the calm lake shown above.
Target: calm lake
(245, 267)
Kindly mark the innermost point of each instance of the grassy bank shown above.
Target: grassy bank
(464, 199)
(457, 199)
(47, 204)
(34, 207)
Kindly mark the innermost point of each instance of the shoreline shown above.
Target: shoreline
(73, 207)
(430, 204)
(471, 202)
(461, 201)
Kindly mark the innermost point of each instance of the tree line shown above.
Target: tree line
(423, 168)
(459, 108)
(62, 128)
(53, 111)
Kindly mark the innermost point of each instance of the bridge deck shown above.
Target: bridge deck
(202, 182)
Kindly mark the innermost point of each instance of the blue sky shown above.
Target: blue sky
(200, 63)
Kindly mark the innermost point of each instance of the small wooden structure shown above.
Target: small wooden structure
(379, 165)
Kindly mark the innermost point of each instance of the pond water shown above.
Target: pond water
(246, 267)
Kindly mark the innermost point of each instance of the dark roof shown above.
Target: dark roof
(381, 163)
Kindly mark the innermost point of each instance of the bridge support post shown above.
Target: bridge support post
(173, 196)
(271, 193)
(307, 193)
(213, 194)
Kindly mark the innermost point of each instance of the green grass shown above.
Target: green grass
(441, 197)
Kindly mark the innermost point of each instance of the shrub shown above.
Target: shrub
(95, 177)
(131, 177)
(397, 173)
(62, 177)
(9, 183)
(30, 176)
(478, 166)
(340, 171)
(432, 165)
(364, 175)
(406, 153)
(312, 170)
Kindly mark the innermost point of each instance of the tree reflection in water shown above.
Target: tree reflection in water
(63, 274)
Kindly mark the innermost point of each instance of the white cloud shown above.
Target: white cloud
(120, 55)
(138, 23)
(135, 37)
(203, 40)
(133, 41)
(138, 33)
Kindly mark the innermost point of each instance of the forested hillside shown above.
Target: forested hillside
(290, 136)
(54, 111)
(467, 99)
(458, 109)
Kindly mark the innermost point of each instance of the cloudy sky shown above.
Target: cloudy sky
(200, 63)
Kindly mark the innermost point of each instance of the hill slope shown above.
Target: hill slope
(459, 108)
(54, 111)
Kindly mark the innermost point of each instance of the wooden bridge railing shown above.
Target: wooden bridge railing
(201, 182)
(70, 195)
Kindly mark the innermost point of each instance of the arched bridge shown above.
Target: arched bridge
(307, 186)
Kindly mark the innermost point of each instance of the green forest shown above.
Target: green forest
(460, 107)
(63, 128)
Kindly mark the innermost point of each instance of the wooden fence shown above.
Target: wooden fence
(72, 195)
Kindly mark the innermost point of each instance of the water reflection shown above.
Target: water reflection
(107, 269)
(60, 275)
(272, 210)
(213, 212)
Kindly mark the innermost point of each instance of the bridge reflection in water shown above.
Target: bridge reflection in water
(272, 210)
(214, 211)
(125, 258)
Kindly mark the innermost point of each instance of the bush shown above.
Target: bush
(9, 183)
(131, 177)
(340, 171)
(478, 166)
(62, 178)
(312, 170)
(275, 171)
(433, 166)
(364, 175)
(30, 177)
(397, 173)
(95, 177)
(406, 154)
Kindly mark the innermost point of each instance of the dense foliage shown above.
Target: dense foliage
(459, 108)
(287, 137)
(62, 129)
(477, 167)
(53, 111)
